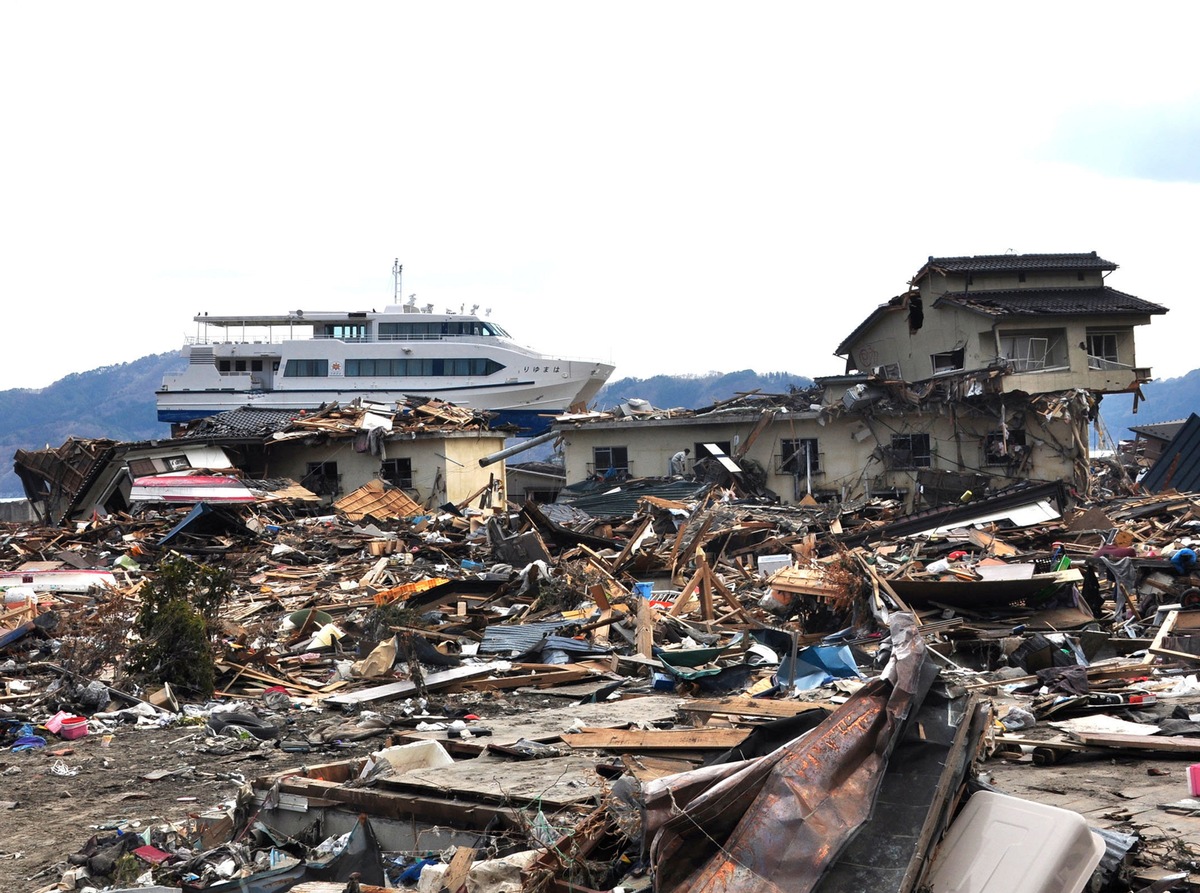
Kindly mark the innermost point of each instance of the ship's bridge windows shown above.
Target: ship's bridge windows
(306, 369)
(401, 367)
(433, 331)
(410, 331)
(344, 332)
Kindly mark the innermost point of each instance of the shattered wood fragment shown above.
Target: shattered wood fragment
(659, 739)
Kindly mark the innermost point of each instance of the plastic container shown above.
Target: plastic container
(1194, 779)
(73, 727)
(644, 590)
(1002, 844)
(769, 564)
(54, 723)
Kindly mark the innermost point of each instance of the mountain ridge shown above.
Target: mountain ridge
(117, 402)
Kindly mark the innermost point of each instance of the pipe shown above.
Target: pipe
(519, 448)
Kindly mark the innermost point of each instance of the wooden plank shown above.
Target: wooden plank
(659, 739)
(645, 628)
(1163, 631)
(404, 688)
(397, 805)
(646, 768)
(759, 707)
(455, 877)
(706, 588)
(685, 596)
(553, 675)
(1156, 743)
(554, 783)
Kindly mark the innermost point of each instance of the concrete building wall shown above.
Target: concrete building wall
(945, 329)
(856, 454)
(443, 468)
(461, 468)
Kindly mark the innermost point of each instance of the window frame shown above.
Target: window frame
(396, 477)
(917, 457)
(306, 368)
(1016, 441)
(791, 447)
(1101, 359)
(597, 468)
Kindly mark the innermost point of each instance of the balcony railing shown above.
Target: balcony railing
(1097, 363)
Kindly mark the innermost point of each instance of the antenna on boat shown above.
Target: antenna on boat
(397, 274)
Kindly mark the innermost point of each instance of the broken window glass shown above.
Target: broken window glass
(799, 455)
(910, 451)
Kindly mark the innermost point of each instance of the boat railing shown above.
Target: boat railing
(390, 339)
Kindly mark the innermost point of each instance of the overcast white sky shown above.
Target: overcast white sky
(674, 187)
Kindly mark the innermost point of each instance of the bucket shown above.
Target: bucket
(319, 618)
(73, 727)
(644, 590)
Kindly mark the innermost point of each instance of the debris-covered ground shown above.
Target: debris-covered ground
(673, 689)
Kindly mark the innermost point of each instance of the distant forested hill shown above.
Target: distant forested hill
(696, 391)
(115, 402)
(1166, 400)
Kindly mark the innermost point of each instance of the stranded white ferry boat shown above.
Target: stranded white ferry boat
(303, 359)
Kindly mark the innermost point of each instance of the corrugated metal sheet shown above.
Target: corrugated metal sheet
(498, 639)
(623, 501)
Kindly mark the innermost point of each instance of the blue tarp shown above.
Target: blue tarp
(817, 665)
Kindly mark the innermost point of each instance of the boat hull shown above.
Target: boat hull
(392, 357)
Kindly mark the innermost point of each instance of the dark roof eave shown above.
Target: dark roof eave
(982, 263)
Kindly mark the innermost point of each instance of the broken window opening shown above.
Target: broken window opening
(948, 361)
(798, 456)
(916, 313)
(996, 451)
(1035, 350)
(397, 472)
(322, 478)
(145, 467)
(910, 451)
(1103, 351)
(610, 461)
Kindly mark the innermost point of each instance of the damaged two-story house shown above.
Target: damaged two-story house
(1048, 321)
(984, 373)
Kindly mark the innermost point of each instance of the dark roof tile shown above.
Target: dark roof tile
(244, 422)
(1178, 468)
(999, 263)
(1052, 302)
